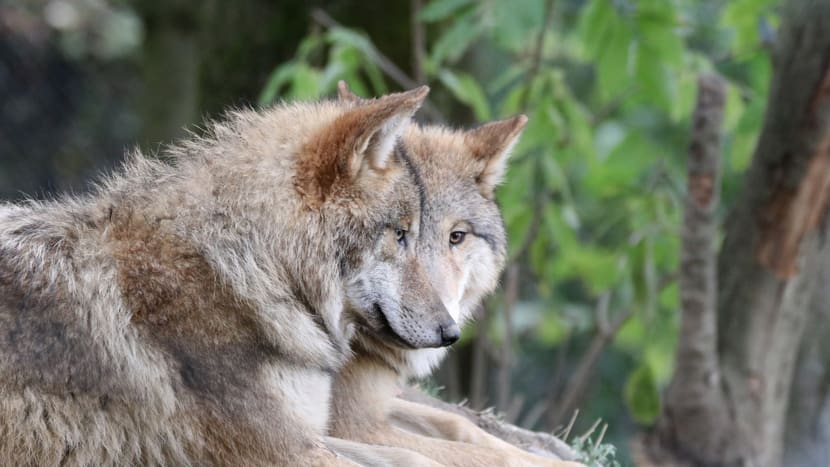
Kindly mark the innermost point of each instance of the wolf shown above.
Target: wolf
(462, 244)
(192, 310)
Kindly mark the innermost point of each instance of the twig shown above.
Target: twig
(697, 367)
(383, 62)
(608, 109)
(539, 201)
(605, 331)
(566, 432)
(418, 42)
(575, 389)
(480, 355)
(536, 63)
(506, 365)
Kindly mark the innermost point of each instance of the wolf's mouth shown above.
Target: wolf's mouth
(386, 330)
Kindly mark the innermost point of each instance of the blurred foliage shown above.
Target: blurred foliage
(593, 200)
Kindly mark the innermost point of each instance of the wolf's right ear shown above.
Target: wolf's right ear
(357, 144)
(346, 94)
(491, 144)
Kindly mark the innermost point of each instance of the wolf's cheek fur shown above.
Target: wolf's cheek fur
(391, 296)
(463, 275)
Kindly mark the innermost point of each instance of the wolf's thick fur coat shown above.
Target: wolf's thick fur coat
(458, 172)
(192, 312)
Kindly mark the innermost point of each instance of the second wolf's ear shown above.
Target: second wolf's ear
(359, 144)
(346, 94)
(491, 144)
(377, 126)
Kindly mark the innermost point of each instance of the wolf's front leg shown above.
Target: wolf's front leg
(369, 455)
(437, 424)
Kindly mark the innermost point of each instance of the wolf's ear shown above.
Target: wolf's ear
(359, 143)
(379, 124)
(346, 94)
(491, 144)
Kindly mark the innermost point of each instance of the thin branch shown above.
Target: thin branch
(418, 41)
(511, 294)
(606, 329)
(539, 201)
(538, 52)
(575, 389)
(610, 108)
(383, 62)
(478, 379)
(697, 367)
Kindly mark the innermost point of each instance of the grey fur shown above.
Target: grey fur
(192, 312)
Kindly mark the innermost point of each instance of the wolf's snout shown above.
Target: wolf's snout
(449, 334)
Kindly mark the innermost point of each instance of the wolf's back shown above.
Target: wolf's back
(66, 378)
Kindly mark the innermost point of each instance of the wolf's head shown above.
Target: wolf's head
(462, 241)
(355, 169)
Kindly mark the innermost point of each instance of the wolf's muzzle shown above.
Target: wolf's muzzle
(449, 334)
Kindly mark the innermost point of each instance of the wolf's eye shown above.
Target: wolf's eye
(457, 237)
(400, 236)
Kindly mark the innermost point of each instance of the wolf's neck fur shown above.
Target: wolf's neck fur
(365, 386)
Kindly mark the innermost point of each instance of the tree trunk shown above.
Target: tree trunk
(767, 266)
(807, 434)
(169, 71)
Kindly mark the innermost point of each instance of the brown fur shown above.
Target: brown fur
(192, 312)
(458, 172)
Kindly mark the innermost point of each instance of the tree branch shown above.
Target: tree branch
(538, 52)
(511, 294)
(383, 62)
(695, 390)
(581, 377)
(418, 41)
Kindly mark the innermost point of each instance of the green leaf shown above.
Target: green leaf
(438, 10)
(515, 22)
(684, 101)
(306, 82)
(613, 63)
(662, 41)
(735, 108)
(281, 76)
(309, 46)
(552, 329)
(594, 25)
(591, 264)
(623, 169)
(654, 82)
(539, 252)
(517, 229)
(741, 144)
(466, 89)
(452, 44)
(644, 276)
(642, 396)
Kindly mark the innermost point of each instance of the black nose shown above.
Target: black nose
(449, 334)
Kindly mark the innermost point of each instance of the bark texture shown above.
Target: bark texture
(807, 433)
(767, 269)
(693, 400)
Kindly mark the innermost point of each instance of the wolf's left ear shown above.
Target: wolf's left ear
(357, 147)
(491, 143)
(346, 94)
(379, 124)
